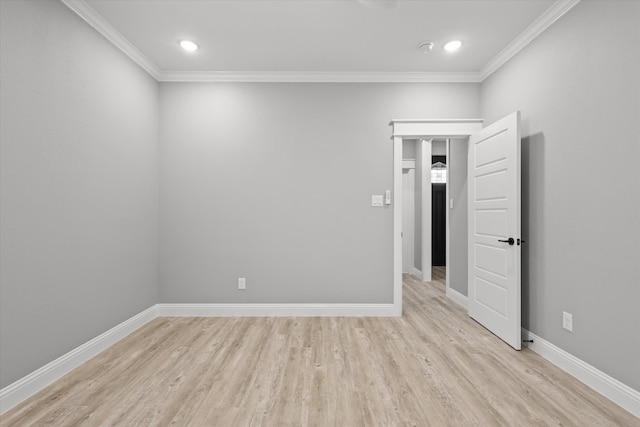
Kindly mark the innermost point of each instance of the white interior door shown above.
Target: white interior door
(494, 228)
(408, 219)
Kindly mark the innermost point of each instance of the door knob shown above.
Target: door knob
(510, 241)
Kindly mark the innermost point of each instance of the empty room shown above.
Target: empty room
(319, 212)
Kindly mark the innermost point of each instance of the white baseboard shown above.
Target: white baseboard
(279, 310)
(457, 297)
(25, 387)
(20, 390)
(609, 387)
(417, 273)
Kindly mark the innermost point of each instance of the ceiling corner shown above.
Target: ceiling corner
(551, 15)
(93, 18)
(86, 12)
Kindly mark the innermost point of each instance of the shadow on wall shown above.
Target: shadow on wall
(532, 151)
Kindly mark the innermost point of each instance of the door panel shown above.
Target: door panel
(494, 215)
(491, 223)
(485, 150)
(492, 186)
(492, 296)
(492, 260)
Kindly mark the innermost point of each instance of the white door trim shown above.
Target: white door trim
(408, 163)
(425, 221)
(409, 219)
(417, 129)
(447, 217)
(397, 225)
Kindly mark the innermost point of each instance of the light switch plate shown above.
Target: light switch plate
(376, 200)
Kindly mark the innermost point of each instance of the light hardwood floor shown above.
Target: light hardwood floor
(432, 367)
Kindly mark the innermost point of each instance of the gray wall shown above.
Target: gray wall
(409, 149)
(78, 185)
(457, 176)
(252, 167)
(273, 182)
(439, 148)
(578, 87)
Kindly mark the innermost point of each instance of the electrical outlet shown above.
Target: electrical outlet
(567, 321)
(242, 283)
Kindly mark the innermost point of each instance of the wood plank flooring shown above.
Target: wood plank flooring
(432, 367)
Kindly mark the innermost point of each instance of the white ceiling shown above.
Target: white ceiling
(294, 37)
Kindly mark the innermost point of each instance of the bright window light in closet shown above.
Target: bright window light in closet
(438, 173)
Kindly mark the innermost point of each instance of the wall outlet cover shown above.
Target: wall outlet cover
(567, 321)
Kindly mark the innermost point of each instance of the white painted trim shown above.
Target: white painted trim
(408, 163)
(425, 161)
(416, 129)
(544, 21)
(604, 384)
(417, 273)
(425, 129)
(17, 392)
(447, 238)
(25, 387)
(457, 297)
(276, 310)
(93, 18)
(318, 77)
(397, 223)
(436, 121)
(409, 218)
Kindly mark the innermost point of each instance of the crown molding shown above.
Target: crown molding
(318, 77)
(551, 15)
(94, 19)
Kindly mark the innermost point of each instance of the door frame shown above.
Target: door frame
(408, 234)
(418, 129)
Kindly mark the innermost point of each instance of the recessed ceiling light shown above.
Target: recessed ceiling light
(453, 45)
(188, 45)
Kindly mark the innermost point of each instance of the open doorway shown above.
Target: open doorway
(435, 212)
(419, 159)
(421, 134)
(416, 199)
(443, 242)
(493, 217)
(439, 211)
(438, 205)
